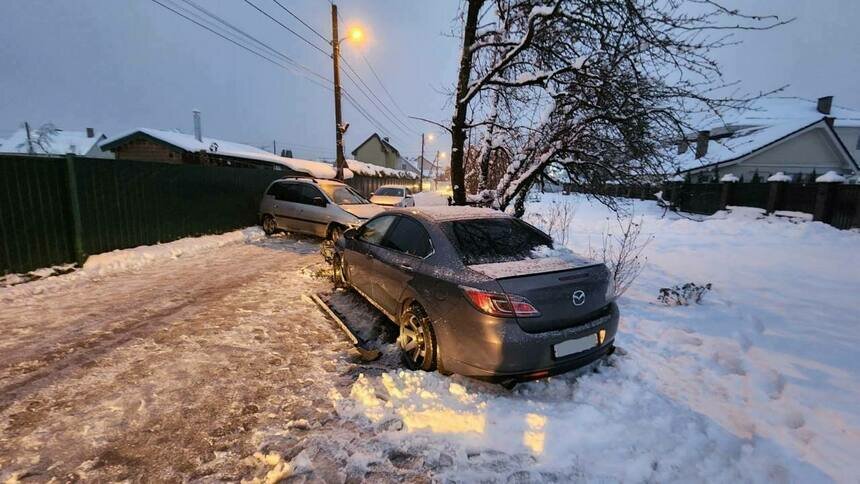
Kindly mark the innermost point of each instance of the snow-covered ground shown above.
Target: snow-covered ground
(203, 360)
(760, 382)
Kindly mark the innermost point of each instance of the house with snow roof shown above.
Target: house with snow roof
(378, 150)
(49, 140)
(148, 144)
(794, 136)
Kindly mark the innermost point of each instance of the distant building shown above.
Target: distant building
(413, 166)
(379, 151)
(147, 144)
(43, 141)
(790, 135)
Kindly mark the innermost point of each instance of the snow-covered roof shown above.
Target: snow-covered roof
(383, 141)
(189, 143)
(60, 143)
(765, 122)
(369, 169)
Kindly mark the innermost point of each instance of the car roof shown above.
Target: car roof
(305, 179)
(392, 186)
(445, 213)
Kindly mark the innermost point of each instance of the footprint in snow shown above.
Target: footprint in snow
(794, 420)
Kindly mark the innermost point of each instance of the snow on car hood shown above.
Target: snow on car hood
(543, 259)
(385, 200)
(364, 210)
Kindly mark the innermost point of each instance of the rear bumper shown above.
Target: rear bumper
(505, 352)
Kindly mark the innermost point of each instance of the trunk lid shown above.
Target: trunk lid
(565, 297)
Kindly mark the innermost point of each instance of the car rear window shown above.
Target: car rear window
(491, 240)
(389, 192)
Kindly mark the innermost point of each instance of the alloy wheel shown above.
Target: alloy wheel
(412, 340)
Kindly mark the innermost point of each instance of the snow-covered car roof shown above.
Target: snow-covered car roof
(445, 213)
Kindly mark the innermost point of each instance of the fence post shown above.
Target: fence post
(773, 196)
(824, 201)
(75, 207)
(726, 195)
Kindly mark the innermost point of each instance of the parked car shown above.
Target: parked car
(324, 208)
(480, 293)
(393, 196)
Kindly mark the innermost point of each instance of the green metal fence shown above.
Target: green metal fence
(56, 210)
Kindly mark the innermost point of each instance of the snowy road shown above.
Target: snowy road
(166, 372)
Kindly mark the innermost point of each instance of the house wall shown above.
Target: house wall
(374, 153)
(799, 155)
(147, 150)
(850, 137)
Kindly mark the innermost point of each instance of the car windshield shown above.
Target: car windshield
(389, 192)
(343, 195)
(490, 240)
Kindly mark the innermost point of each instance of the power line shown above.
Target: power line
(392, 117)
(379, 80)
(327, 41)
(288, 29)
(211, 28)
(360, 108)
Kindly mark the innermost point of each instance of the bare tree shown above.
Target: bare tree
(591, 90)
(40, 139)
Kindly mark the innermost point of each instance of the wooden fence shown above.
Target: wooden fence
(832, 203)
(56, 210)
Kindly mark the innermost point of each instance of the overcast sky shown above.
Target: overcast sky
(120, 64)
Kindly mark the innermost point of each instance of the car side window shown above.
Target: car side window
(286, 192)
(409, 237)
(308, 194)
(374, 231)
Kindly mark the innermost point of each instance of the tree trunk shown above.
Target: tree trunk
(461, 105)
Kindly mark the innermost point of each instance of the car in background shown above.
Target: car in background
(480, 293)
(393, 196)
(324, 208)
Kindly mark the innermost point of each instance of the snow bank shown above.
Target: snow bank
(135, 258)
(730, 178)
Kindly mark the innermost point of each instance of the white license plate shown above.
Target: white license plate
(572, 346)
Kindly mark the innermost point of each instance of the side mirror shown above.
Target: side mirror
(350, 233)
(319, 202)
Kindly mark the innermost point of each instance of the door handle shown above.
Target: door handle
(407, 267)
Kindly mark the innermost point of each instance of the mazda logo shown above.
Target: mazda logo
(578, 298)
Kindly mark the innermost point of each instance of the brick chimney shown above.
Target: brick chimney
(824, 105)
(702, 143)
(91, 133)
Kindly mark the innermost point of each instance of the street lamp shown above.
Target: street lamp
(429, 137)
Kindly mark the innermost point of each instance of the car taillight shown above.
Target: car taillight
(501, 305)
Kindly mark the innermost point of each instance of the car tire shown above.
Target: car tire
(417, 340)
(269, 225)
(338, 272)
(327, 247)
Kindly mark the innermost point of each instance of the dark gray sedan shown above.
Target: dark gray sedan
(479, 293)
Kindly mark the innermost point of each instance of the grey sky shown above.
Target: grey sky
(120, 64)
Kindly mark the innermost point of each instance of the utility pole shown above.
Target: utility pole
(274, 147)
(436, 175)
(30, 149)
(340, 162)
(421, 167)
